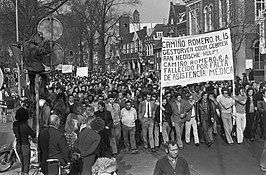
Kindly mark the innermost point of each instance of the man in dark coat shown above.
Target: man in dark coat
(34, 49)
(87, 143)
(205, 118)
(52, 145)
(166, 119)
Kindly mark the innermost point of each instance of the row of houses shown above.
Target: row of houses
(138, 47)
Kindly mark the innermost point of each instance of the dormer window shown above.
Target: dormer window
(172, 21)
(159, 34)
(181, 17)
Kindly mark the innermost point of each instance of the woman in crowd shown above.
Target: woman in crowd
(22, 132)
(106, 132)
(251, 108)
(71, 138)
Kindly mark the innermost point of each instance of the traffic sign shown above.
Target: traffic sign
(57, 56)
(51, 28)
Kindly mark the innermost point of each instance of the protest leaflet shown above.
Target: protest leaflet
(197, 58)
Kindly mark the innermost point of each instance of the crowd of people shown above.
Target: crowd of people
(126, 114)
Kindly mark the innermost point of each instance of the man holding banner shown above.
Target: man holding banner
(194, 59)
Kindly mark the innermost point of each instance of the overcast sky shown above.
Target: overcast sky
(153, 10)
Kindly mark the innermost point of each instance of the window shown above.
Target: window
(159, 34)
(258, 57)
(132, 47)
(136, 46)
(230, 11)
(124, 48)
(222, 13)
(194, 19)
(260, 7)
(128, 47)
(210, 17)
(140, 46)
(181, 17)
(205, 12)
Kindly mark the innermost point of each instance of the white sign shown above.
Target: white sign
(82, 72)
(249, 63)
(67, 69)
(197, 58)
(1, 79)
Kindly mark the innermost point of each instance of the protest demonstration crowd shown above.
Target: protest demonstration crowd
(104, 113)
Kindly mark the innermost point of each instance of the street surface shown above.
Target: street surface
(220, 159)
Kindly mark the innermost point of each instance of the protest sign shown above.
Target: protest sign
(67, 69)
(249, 63)
(197, 58)
(82, 72)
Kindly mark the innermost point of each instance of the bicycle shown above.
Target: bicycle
(6, 112)
(62, 170)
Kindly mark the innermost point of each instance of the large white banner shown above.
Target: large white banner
(82, 72)
(197, 58)
(67, 69)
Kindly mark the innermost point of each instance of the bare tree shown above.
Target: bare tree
(30, 13)
(85, 13)
(100, 17)
(106, 17)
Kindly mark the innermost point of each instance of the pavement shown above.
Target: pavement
(219, 159)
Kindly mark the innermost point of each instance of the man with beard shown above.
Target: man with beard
(128, 118)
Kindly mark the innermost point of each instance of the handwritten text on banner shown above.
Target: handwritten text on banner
(197, 58)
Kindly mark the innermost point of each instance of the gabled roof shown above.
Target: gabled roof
(135, 35)
(158, 27)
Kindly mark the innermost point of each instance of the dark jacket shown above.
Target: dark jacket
(201, 114)
(33, 53)
(166, 114)
(88, 142)
(52, 144)
(106, 117)
(179, 115)
(163, 167)
(22, 132)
